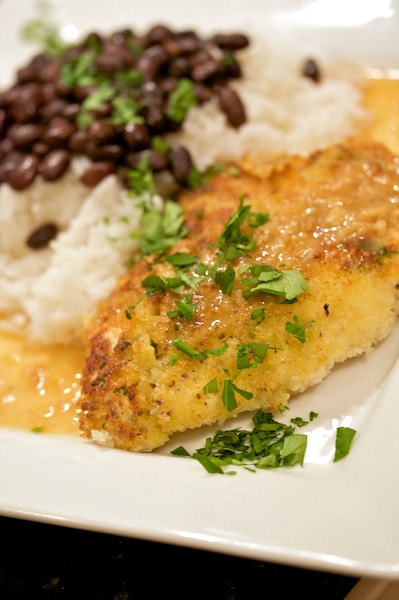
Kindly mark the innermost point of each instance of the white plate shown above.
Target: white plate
(341, 517)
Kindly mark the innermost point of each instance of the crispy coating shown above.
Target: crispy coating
(333, 215)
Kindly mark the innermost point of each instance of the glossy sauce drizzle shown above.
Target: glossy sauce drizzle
(39, 386)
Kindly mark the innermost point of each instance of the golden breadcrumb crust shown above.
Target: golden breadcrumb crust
(333, 215)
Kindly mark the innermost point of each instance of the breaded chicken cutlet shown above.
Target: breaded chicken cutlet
(290, 265)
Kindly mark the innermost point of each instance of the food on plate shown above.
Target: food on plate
(63, 243)
(86, 117)
(287, 265)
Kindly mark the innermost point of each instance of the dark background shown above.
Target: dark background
(41, 561)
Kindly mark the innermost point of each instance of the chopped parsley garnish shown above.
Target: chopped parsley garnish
(181, 100)
(297, 329)
(233, 242)
(140, 179)
(200, 355)
(38, 429)
(258, 315)
(343, 442)
(185, 309)
(225, 279)
(229, 394)
(181, 259)
(43, 32)
(251, 355)
(155, 284)
(161, 230)
(266, 279)
(212, 387)
(126, 110)
(268, 445)
(80, 71)
(102, 94)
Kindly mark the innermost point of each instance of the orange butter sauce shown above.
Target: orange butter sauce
(39, 386)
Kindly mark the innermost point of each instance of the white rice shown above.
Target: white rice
(46, 294)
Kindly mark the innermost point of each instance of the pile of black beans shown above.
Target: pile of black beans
(40, 131)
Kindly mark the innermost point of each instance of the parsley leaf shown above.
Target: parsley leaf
(140, 179)
(126, 110)
(266, 279)
(343, 442)
(80, 70)
(297, 329)
(103, 93)
(184, 308)
(160, 230)
(233, 242)
(181, 100)
(269, 444)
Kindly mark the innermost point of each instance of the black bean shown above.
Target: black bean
(167, 84)
(62, 90)
(232, 106)
(156, 34)
(49, 92)
(25, 74)
(38, 63)
(136, 136)
(96, 173)
(24, 172)
(92, 151)
(202, 92)
(39, 113)
(92, 40)
(42, 236)
(230, 67)
(232, 41)
(78, 141)
(179, 66)
(311, 70)
(156, 160)
(155, 116)
(58, 131)
(112, 152)
(205, 70)
(151, 61)
(103, 111)
(50, 72)
(123, 36)
(40, 148)
(54, 165)
(26, 101)
(187, 43)
(110, 63)
(83, 92)
(10, 160)
(24, 135)
(71, 111)
(100, 132)
(53, 108)
(181, 163)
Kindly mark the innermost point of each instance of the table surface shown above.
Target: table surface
(50, 562)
